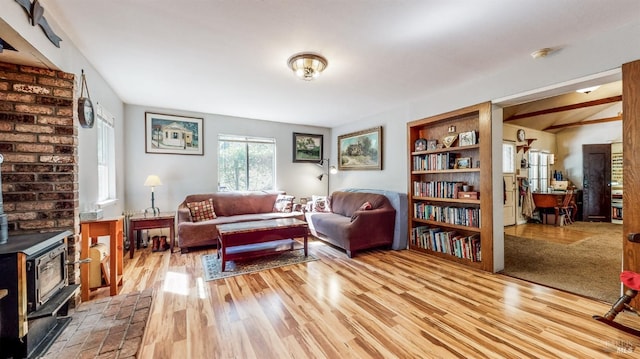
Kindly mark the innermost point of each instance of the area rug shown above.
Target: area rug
(590, 267)
(211, 264)
(109, 327)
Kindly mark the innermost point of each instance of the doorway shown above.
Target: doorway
(596, 183)
(569, 131)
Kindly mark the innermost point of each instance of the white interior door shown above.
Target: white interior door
(509, 177)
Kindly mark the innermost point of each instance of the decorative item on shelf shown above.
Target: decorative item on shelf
(448, 140)
(432, 144)
(463, 162)
(467, 138)
(152, 181)
(420, 144)
(86, 114)
(520, 135)
(451, 129)
(307, 66)
(468, 195)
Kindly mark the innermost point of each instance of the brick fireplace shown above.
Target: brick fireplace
(38, 139)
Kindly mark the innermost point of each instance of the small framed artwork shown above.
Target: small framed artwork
(521, 136)
(360, 150)
(307, 147)
(432, 144)
(467, 138)
(449, 140)
(463, 162)
(420, 144)
(171, 134)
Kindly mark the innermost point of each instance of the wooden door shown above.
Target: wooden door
(596, 183)
(631, 165)
(509, 182)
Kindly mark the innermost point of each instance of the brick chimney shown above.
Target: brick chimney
(39, 139)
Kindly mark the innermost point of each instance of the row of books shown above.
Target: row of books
(434, 162)
(464, 216)
(439, 189)
(449, 242)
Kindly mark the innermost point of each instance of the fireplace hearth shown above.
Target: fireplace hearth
(34, 311)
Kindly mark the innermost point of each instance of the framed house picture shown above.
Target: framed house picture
(171, 134)
(360, 150)
(307, 147)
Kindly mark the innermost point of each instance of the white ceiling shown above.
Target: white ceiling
(229, 56)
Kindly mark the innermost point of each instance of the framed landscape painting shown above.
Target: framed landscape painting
(173, 134)
(360, 150)
(307, 147)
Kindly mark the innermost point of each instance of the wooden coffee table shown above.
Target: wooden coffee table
(243, 235)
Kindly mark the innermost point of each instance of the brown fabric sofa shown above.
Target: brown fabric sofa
(229, 207)
(351, 228)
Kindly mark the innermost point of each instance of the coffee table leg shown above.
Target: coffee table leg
(305, 245)
(221, 254)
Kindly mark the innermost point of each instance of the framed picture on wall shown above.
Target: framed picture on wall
(171, 134)
(360, 150)
(307, 147)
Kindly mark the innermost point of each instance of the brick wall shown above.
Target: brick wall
(38, 139)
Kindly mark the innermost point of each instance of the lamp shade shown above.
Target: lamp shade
(152, 181)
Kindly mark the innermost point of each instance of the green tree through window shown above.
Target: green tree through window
(246, 163)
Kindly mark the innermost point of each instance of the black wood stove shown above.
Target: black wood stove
(33, 271)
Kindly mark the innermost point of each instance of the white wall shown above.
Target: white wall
(570, 143)
(68, 59)
(182, 175)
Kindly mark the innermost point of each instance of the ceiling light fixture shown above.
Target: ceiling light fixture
(307, 66)
(588, 89)
(541, 53)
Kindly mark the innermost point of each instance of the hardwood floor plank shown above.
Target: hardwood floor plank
(391, 304)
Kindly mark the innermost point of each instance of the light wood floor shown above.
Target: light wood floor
(380, 304)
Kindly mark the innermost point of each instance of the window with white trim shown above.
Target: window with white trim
(106, 155)
(246, 163)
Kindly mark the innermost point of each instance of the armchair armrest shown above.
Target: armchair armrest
(184, 215)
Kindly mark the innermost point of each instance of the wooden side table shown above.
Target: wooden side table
(139, 222)
(90, 231)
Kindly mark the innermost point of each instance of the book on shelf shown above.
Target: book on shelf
(437, 189)
(463, 216)
(434, 161)
(448, 242)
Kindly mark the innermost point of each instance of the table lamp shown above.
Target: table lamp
(152, 181)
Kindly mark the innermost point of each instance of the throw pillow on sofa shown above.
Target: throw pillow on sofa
(365, 207)
(202, 210)
(284, 203)
(320, 204)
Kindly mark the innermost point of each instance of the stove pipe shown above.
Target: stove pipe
(4, 226)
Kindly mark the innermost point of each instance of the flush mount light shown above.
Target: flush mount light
(307, 66)
(541, 53)
(588, 89)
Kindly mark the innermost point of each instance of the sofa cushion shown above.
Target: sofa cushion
(284, 203)
(234, 203)
(320, 204)
(201, 210)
